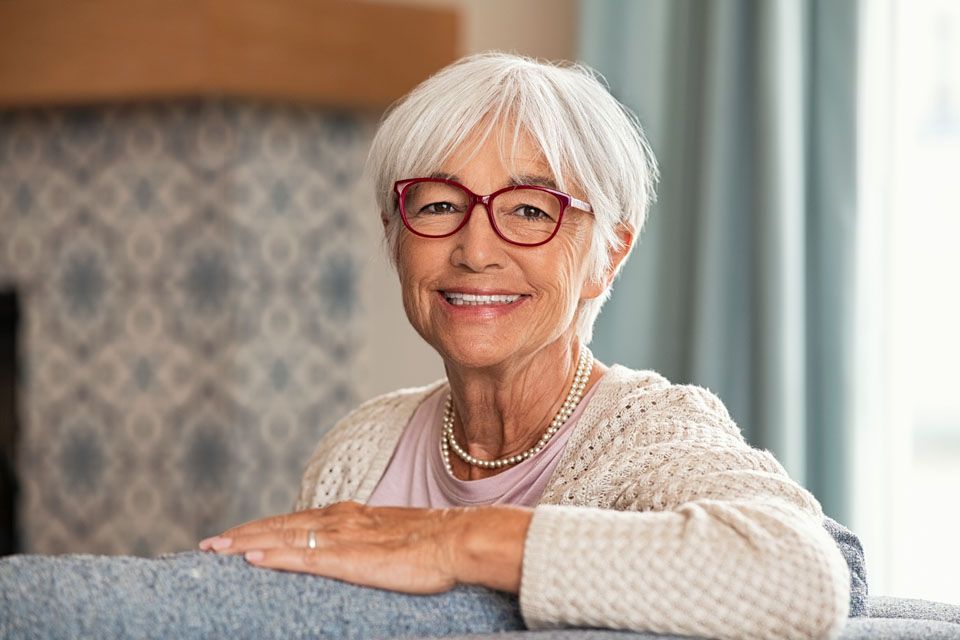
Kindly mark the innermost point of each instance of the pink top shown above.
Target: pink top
(416, 476)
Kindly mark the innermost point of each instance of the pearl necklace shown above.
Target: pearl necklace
(448, 441)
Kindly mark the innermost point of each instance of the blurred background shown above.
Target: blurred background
(193, 288)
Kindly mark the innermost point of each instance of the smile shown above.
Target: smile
(463, 299)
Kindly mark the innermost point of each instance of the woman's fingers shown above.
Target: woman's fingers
(400, 548)
(301, 560)
(285, 538)
(300, 520)
(272, 524)
(368, 566)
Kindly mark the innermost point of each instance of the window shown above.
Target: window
(907, 474)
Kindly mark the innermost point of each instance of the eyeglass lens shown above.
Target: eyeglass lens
(522, 214)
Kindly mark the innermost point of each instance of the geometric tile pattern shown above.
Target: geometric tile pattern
(188, 273)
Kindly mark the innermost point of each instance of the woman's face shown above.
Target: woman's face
(551, 279)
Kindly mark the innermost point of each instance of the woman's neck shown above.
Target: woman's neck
(502, 411)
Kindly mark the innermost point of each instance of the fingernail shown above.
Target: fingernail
(221, 543)
(205, 543)
(254, 556)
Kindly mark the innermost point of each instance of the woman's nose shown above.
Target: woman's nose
(477, 244)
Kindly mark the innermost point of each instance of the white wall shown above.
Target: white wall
(393, 354)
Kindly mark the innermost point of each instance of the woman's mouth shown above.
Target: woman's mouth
(473, 299)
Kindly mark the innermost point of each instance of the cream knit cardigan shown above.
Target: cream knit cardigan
(659, 517)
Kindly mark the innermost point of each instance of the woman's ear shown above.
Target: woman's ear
(384, 220)
(617, 254)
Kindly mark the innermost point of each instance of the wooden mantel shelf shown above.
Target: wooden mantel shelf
(341, 53)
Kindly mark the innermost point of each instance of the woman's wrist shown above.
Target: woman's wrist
(488, 546)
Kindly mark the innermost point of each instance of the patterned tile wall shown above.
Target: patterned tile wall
(189, 274)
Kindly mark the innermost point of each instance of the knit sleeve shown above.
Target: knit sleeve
(709, 538)
(337, 465)
(321, 483)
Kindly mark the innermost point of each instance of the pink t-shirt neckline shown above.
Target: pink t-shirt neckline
(417, 477)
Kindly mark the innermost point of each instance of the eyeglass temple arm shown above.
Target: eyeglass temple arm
(580, 204)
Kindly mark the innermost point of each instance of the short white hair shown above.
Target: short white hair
(587, 138)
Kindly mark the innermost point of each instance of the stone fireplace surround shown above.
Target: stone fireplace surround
(188, 276)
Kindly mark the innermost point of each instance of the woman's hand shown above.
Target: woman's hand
(397, 548)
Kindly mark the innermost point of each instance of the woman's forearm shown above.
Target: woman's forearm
(488, 546)
(708, 568)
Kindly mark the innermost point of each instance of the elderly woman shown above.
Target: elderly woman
(511, 192)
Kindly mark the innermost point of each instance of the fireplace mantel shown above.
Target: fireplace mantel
(337, 53)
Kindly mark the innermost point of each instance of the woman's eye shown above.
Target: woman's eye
(530, 212)
(438, 207)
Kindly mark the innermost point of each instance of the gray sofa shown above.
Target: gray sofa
(887, 619)
(193, 595)
(198, 595)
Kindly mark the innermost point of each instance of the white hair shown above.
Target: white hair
(587, 138)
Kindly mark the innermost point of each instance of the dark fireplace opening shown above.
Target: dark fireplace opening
(9, 325)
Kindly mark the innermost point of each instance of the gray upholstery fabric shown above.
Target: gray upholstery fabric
(890, 619)
(852, 551)
(573, 634)
(856, 629)
(889, 607)
(899, 629)
(197, 595)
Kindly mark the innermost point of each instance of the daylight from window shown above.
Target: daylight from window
(908, 439)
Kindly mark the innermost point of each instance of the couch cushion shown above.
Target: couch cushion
(852, 551)
(856, 629)
(890, 607)
(899, 629)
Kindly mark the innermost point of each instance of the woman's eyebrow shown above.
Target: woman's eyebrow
(542, 181)
(515, 181)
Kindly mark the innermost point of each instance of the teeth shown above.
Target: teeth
(473, 299)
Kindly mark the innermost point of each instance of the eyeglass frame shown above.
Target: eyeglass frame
(566, 201)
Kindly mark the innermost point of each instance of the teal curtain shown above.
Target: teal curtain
(743, 278)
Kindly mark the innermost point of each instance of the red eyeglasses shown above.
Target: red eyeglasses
(525, 215)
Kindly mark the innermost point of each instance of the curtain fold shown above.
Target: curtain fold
(742, 280)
